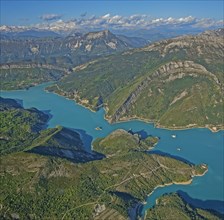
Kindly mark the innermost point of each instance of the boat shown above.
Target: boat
(178, 148)
(98, 128)
(173, 136)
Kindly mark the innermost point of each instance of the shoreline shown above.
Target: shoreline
(128, 119)
(169, 184)
(156, 125)
(188, 182)
(76, 102)
(160, 186)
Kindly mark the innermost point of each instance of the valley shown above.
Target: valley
(149, 83)
(98, 125)
(125, 175)
(100, 185)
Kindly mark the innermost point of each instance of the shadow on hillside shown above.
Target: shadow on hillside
(47, 112)
(86, 138)
(215, 205)
(142, 133)
(158, 152)
(73, 155)
(20, 102)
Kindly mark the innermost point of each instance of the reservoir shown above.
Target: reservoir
(196, 145)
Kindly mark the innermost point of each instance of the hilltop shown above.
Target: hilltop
(171, 207)
(28, 60)
(176, 83)
(28, 133)
(67, 51)
(47, 173)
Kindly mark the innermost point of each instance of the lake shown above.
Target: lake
(195, 145)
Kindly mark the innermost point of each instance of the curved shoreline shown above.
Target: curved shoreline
(127, 119)
(156, 125)
(212, 128)
(188, 182)
(179, 183)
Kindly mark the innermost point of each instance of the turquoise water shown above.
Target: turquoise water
(197, 145)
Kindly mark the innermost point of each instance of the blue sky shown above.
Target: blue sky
(30, 12)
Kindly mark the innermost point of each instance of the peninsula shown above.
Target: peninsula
(115, 178)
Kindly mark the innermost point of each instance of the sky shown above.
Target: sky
(38, 12)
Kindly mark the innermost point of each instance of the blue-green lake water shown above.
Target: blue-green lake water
(196, 145)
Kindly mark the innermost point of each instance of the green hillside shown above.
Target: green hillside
(24, 130)
(39, 183)
(172, 206)
(176, 83)
(47, 187)
(23, 77)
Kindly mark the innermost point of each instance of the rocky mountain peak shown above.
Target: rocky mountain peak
(98, 34)
(217, 33)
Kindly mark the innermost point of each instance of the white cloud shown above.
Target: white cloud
(136, 21)
(50, 17)
(106, 16)
(207, 22)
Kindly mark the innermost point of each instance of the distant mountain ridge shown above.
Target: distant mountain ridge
(67, 51)
(176, 83)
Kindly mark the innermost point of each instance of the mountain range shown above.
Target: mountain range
(48, 173)
(72, 50)
(175, 83)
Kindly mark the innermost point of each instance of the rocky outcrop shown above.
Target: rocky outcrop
(77, 156)
(178, 70)
(166, 73)
(32, 65)
(200, 45)
(130, 100)
(60, 51)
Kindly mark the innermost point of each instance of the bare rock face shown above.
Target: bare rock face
(74, 50)
(180, 69)
(32, 65)
(96, 35)
(207, 42)
(165, 73)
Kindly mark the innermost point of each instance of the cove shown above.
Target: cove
(196, 145)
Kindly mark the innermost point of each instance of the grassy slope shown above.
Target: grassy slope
(20, 78)
(35, 186)
(22, 129)
(172, 206)
(46, 187)
(114, 78)
(19, 127)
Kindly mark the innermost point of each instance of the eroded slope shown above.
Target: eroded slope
(167, 82)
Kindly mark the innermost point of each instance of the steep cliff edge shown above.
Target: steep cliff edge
(27, 133)
(176, 83)
(172, 71)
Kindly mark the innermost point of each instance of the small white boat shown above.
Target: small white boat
(98, 128)
(173, 136)
(178, 148)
